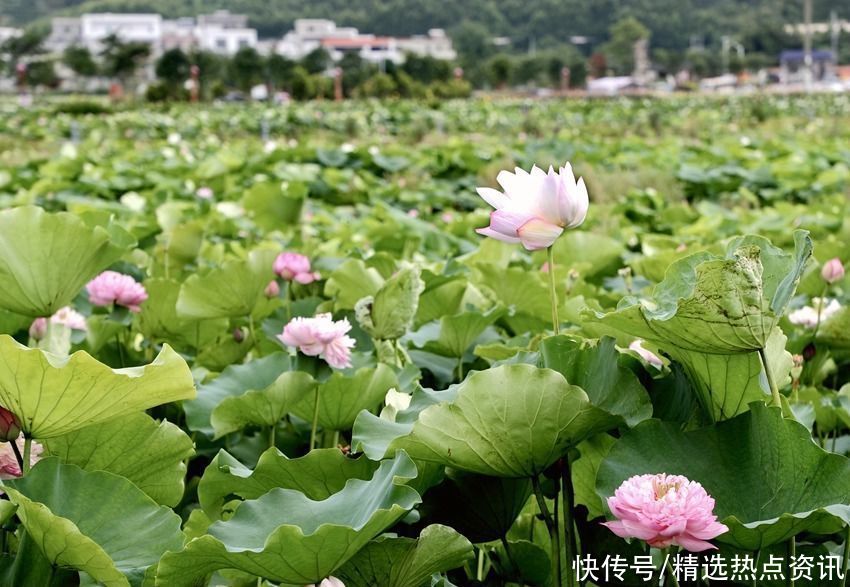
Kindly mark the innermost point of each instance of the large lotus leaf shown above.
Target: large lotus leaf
(318, 474)
(151, 454)
(93, 521)
(481, 508)
(456, 332)
(768, 479)
(286, 537)
(46, 259)
(262, 407)
(390, 312)
(343, 396)
(373, 435)
(508, 421)
(234, 381)
(351, 282)
(717, 304)
(158, 320)
(527, 293)
(594, 367)
(404, 562)
(229, 291)
(53, 395)
(273, 206)
(726, 385)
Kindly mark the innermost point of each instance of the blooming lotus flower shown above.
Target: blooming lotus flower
(111, 287)
(535, 207)
(320, 336)
(9, 467)
(295, 267)
(66, 316)
(646, 355)
(833, 270)
(664, 510)
(808, 316)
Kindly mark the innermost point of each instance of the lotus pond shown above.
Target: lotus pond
(243, 345)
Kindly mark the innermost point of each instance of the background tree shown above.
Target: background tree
(316, 61)
(30, 43)
(499, 69)
(246, 69)
(173, 69)
(619, 50)
(355, 71)
(79, 60)
(279, 71)
(120, 59)
(213, 72)
(426, 69)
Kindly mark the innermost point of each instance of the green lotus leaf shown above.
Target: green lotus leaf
(234, 381)
(835, 331)
(286, 537)
(158, 320)
(262, 407)
(343, 396)
(46, 259)
(594, 366)
(390, 312)
(406, 562)
(714, 304)
(151, 454)
(232, 290)
(351, 282)
(726, 385)
(769, 480)
(273, 206)
(481, 508)
(318, 474)
(93, 521)
(53, 395)
(527, 293)
(508, 421)
(456, 332)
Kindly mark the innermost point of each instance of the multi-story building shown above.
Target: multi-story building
(221, 32)
(309, 34)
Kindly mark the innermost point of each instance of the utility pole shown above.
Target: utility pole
(807, 44)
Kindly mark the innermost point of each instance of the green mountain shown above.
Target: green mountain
(674, 24)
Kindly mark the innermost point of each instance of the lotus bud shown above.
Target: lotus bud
(238, 335)
(10, 426)
(832, 271)
(272, 289)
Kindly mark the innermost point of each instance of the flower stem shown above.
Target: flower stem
(25, 466)
(554, 538)
(17, 452)
(668, 567)
(820, 309)
(846, 556)
(570, 544)
(336, 439)
(552, 292)
(774, 390)
(792, 554)
(315, 420)
(271, 435)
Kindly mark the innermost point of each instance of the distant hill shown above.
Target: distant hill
(537, 23)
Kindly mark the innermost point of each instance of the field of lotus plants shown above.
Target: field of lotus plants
(544, 343)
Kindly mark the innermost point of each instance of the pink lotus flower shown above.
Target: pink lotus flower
(832, 271)
(272, 289)
(64, 317)
(664, 510)
(294, 266)
(111, 287)
(10, 426)
(535, 207)
(320, 336)
(9, 467)
(646, 355)
(205, 193)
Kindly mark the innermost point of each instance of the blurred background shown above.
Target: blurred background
(279, 50)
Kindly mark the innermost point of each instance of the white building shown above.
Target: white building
(220, 32)
(311, 33)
